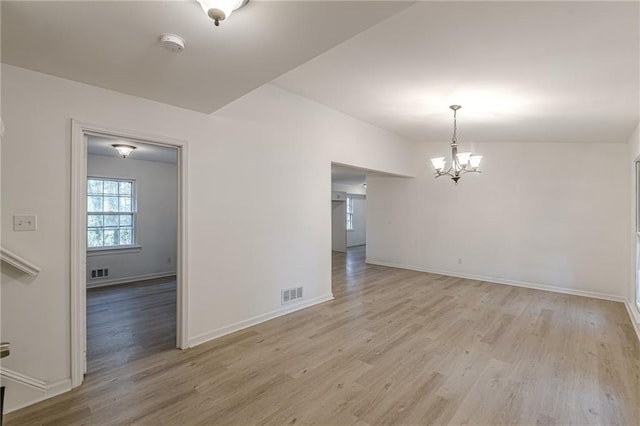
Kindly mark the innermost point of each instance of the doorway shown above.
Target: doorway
(348, 207)
(119, 252)
(348, 218)
(132, 207)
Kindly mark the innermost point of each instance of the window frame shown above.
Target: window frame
(130, 248)
(349, 208)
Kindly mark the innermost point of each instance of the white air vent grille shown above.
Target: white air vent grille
(291, 295)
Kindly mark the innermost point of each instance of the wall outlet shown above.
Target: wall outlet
(25, 222)
(459, 261)
(168, 260)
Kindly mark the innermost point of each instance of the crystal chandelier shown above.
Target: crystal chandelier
(461, 163)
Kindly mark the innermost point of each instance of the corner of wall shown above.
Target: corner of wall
(634, 317)
(232, 328)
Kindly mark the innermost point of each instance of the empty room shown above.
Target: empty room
(482, 161)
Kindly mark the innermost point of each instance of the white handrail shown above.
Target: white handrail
(18, 262)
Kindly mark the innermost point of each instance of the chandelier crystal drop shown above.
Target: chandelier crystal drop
(461, 162)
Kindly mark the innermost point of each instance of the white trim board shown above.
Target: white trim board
(39, 388)
(634, 316)
(241, 325)
(19, 263)
(114, 281)
(494, 280)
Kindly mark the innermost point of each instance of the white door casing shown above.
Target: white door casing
(79, 131)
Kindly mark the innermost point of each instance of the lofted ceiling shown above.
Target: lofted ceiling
(114, 44)
(522, 71)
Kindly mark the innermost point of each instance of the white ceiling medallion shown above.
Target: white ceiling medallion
(172, 42)
(461, 163)
(219, 10)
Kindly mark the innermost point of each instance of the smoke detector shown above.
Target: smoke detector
(172, 42)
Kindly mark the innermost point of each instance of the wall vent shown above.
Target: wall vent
(99, 273)
(291, 295)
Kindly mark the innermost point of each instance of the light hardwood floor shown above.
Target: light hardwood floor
(394, 347)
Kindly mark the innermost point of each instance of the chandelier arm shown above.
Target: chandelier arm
(447, 173)
(470, 171)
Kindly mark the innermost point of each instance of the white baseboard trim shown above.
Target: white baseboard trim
(24, 379)
(39, 389)
(114, 281)
(205, 337)
(634, 316)
(495, 280)
(56, 388)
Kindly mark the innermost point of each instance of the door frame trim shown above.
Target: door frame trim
(79, 130)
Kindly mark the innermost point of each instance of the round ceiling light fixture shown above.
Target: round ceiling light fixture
(219, 10)
(172, 42)
(123, 149)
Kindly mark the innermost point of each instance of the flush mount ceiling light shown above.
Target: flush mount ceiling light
(123, 149)
(461, 163)
(219, 10)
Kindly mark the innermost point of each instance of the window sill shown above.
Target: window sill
(113, 250)
(350, 230)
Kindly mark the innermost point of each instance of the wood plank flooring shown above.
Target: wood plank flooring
(129, 322)
(394, 347)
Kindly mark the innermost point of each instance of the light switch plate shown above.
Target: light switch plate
(25, 222)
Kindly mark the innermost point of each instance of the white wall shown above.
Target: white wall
(156, 219)
(634, 154)
(338, 226)
(244, 162)
(349, 188)
(358, 236)
(551, 214)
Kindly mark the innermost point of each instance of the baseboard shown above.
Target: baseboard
(495, 280)
(22, 390)
(634, 316)
(115, 281)
(205, 337)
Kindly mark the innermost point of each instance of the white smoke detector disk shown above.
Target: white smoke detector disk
(172, 42)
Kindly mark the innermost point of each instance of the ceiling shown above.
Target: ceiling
(348, 175)
(114, 44)
(522, 71)
(98, 145)
(354, 175)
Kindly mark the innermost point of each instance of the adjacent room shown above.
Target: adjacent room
(131, 228)
(320, 212)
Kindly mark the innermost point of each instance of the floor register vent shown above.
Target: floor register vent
(99, 273)
(291, 295)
